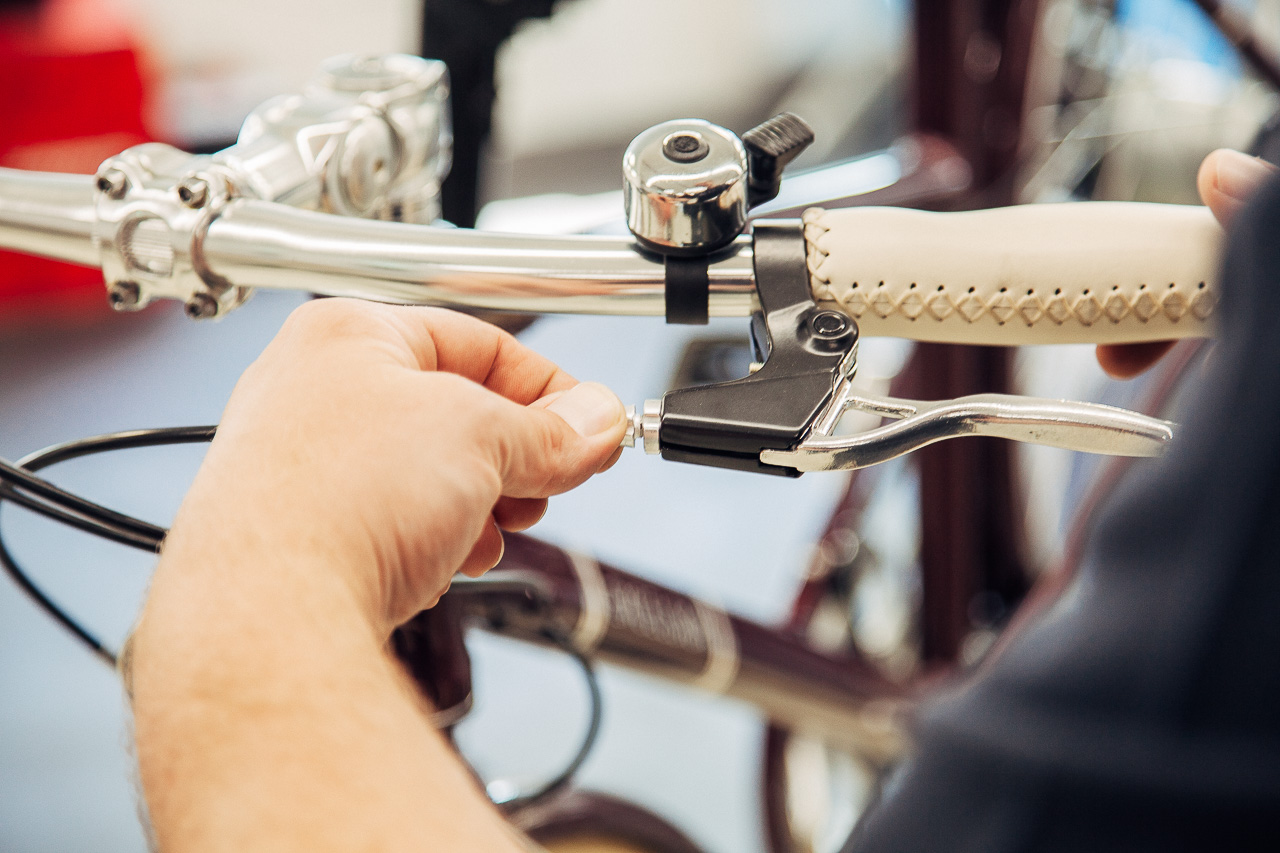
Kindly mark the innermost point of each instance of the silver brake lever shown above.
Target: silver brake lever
(1086, 427)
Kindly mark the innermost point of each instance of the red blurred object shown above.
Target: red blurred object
(72, 94)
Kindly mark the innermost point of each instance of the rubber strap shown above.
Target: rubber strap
(688, 290)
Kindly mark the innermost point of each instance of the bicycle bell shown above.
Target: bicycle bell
(689, 183)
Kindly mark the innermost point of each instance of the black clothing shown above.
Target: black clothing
(1142, 710)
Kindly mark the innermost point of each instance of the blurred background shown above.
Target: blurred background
(1122, 101)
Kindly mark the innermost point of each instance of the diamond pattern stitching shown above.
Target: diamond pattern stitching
(882, 302)
(1117, 307)
(1030, 308)
(971, 307)
(1001, 307)
(1145, 307)
(940, 306)
(911, 305)
(1086, 310)
(1057, 310)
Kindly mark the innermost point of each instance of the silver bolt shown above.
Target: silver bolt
(124, 295)
(194, 193)
(635, 426)
(113, 183)
(643, 426)
(202, 306)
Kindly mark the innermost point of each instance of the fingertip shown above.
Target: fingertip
(1227, 178)
(591, 410)
(1129, 360)
(517, 514)
(548, 449)
(486, 553)
(1207, 176)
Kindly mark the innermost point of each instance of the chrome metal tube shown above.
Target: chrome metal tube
(48, 214)
(257, 244)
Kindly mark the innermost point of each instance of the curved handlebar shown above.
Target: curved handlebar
(258, 244)
(49, 215)
(1099, 272)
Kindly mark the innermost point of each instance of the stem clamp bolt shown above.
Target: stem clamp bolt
(194, 193)
(113, 183)
(124, 295)
(201, 306)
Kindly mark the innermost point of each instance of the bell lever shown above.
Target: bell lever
(770, 147)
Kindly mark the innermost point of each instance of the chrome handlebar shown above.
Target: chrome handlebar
(48, 215)
(257, 244)
(207, 230)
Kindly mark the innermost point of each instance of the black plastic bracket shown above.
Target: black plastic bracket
(804, 350)
(688, 290)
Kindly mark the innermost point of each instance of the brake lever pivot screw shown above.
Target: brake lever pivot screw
(829, 325)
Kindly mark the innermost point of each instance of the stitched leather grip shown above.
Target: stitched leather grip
(1095, 272)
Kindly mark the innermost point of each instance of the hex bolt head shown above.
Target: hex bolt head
(114, 184)
(124, 295)
(202, 306)
(194, 193)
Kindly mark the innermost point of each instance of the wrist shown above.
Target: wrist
(237, 542)
(217, 594)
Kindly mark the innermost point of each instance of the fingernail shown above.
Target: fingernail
(502, 545)
(589, 408)
(1239, 174)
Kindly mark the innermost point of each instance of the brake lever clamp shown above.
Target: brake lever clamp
(807, 355)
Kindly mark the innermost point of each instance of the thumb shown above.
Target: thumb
(561, 440)
(1228, 178)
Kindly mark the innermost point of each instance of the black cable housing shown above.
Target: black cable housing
(19, 485)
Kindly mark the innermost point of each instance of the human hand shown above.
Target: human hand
(369, 454)
(392, 443)
(1226, 181)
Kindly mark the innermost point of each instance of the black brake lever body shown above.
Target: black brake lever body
(805, 351)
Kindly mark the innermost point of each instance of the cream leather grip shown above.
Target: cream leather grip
(1096, 272)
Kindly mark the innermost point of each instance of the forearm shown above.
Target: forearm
(269, 716)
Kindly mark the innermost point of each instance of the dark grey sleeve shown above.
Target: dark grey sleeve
(1142, 710)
